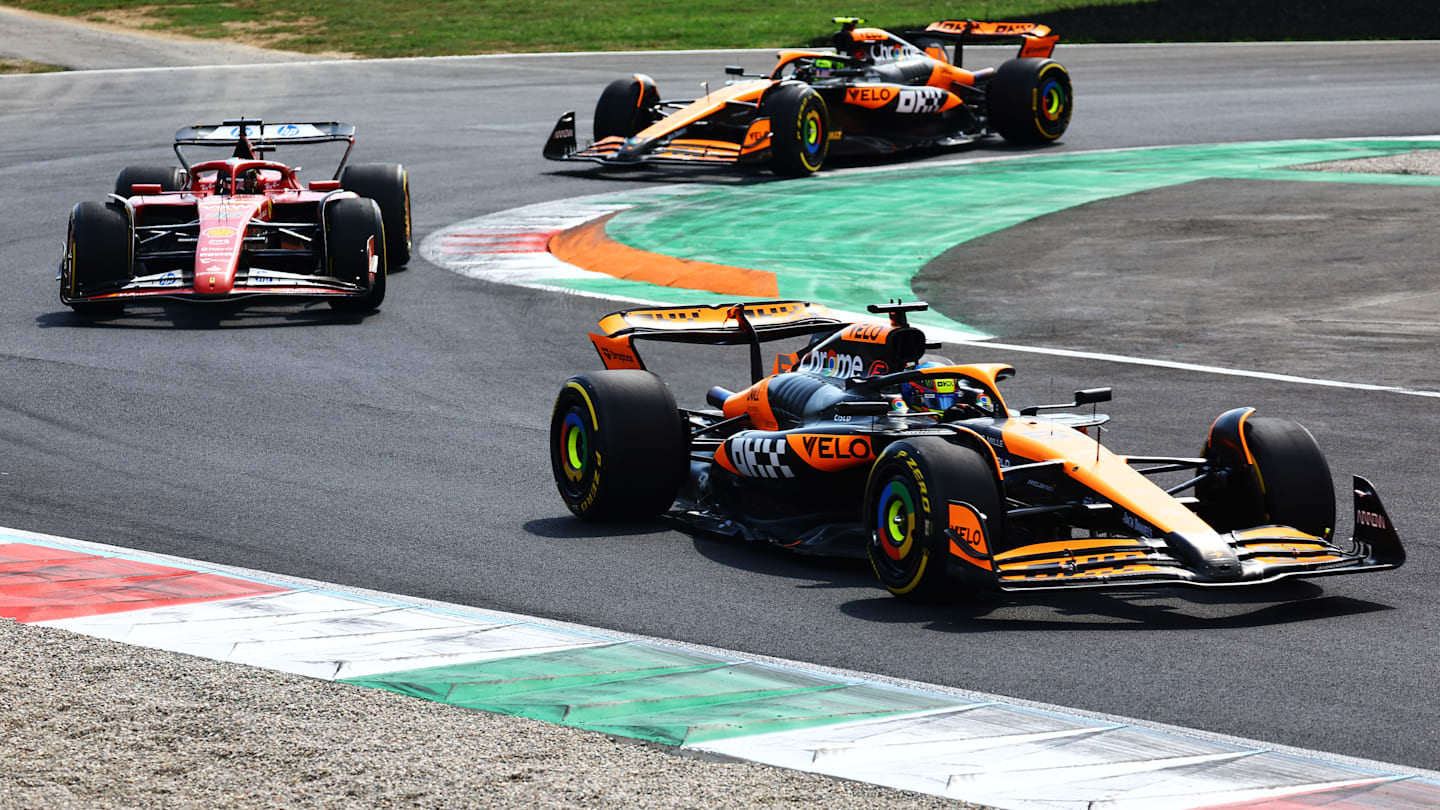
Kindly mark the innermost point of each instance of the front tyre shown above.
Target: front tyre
(916, 489)
(388, 184)
(97, 256)
(800, 129)
(1284, 481)
(626, 106)
(354, 244)
(1030, 100)
(619, 449)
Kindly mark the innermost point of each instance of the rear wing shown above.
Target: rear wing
(750, 323)
(1034, 39)
(258, 137)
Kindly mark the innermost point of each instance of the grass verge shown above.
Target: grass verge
(9, 65)
(380, 28)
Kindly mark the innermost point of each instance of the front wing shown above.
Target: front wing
(178, 285)
(1267, 554)
(673, 151)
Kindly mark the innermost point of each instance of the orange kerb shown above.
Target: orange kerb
(589, 247)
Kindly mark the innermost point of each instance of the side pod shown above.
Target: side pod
(1375, 535)
(561, 143)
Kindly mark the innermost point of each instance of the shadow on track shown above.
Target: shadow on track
(569, 528)
(757, 175)
(1140, 609)
(206, 316)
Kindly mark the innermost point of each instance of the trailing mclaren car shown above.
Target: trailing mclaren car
(876, 93)
(857, 445)
(240, 226)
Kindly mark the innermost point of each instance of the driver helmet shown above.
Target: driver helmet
(940, 394)
(248, 182)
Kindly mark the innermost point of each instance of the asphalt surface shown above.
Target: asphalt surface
(406, 451)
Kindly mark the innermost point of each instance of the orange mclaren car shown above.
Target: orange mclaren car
(876, 92)
(860, 444)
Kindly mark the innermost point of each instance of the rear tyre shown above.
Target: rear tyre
(908, 510)
(1030, 100)
(388, 184)
(354, 240)
(169, 178)
(97, 256)
(800, 129)
(626, 106)
(1289, 483)
(619, 449)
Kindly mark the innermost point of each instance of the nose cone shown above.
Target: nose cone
(1208, 553)
(636, 148)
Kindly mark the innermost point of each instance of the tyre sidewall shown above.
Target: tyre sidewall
(929, 473)
(1030, 100)
(800, 123)
(98, 248)
(625, 107)
(388, 184)
(633, 450)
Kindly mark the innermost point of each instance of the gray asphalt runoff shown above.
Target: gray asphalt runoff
(406, 451)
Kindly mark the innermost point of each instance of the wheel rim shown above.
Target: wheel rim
(812, 136)
(895, 522)
(1052, 100)
(574, 449)
(1052, 112)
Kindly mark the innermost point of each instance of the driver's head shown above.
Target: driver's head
(248, 182)
(940, 394)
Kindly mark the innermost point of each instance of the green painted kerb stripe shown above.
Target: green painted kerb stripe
(669, 696)
(849, 240)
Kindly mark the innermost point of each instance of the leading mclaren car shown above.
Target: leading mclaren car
(857, 445)
(241, 226)
(875, 93)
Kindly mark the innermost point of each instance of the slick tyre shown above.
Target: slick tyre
(354, 238)
(800, 127)
(388, 184)
(619, 449)
(1287, 484)
(169, 178)
(626, 106)
(97, 256)
(916, 489)
(1029, 100)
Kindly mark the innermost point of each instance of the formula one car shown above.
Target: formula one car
(876, 93)
(240, 226)
(857, 445)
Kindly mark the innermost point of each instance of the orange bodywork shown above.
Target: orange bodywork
(754, 401)
(616, 352)
(706, 106)
(1101, 471)
(686, 318)
(965, 522)
(831, 452)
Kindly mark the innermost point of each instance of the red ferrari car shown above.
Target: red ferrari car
(240, 226)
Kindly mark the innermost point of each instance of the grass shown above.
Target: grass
(382, 28)
(10, 65)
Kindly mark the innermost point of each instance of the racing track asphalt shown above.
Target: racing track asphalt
(405, 452)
